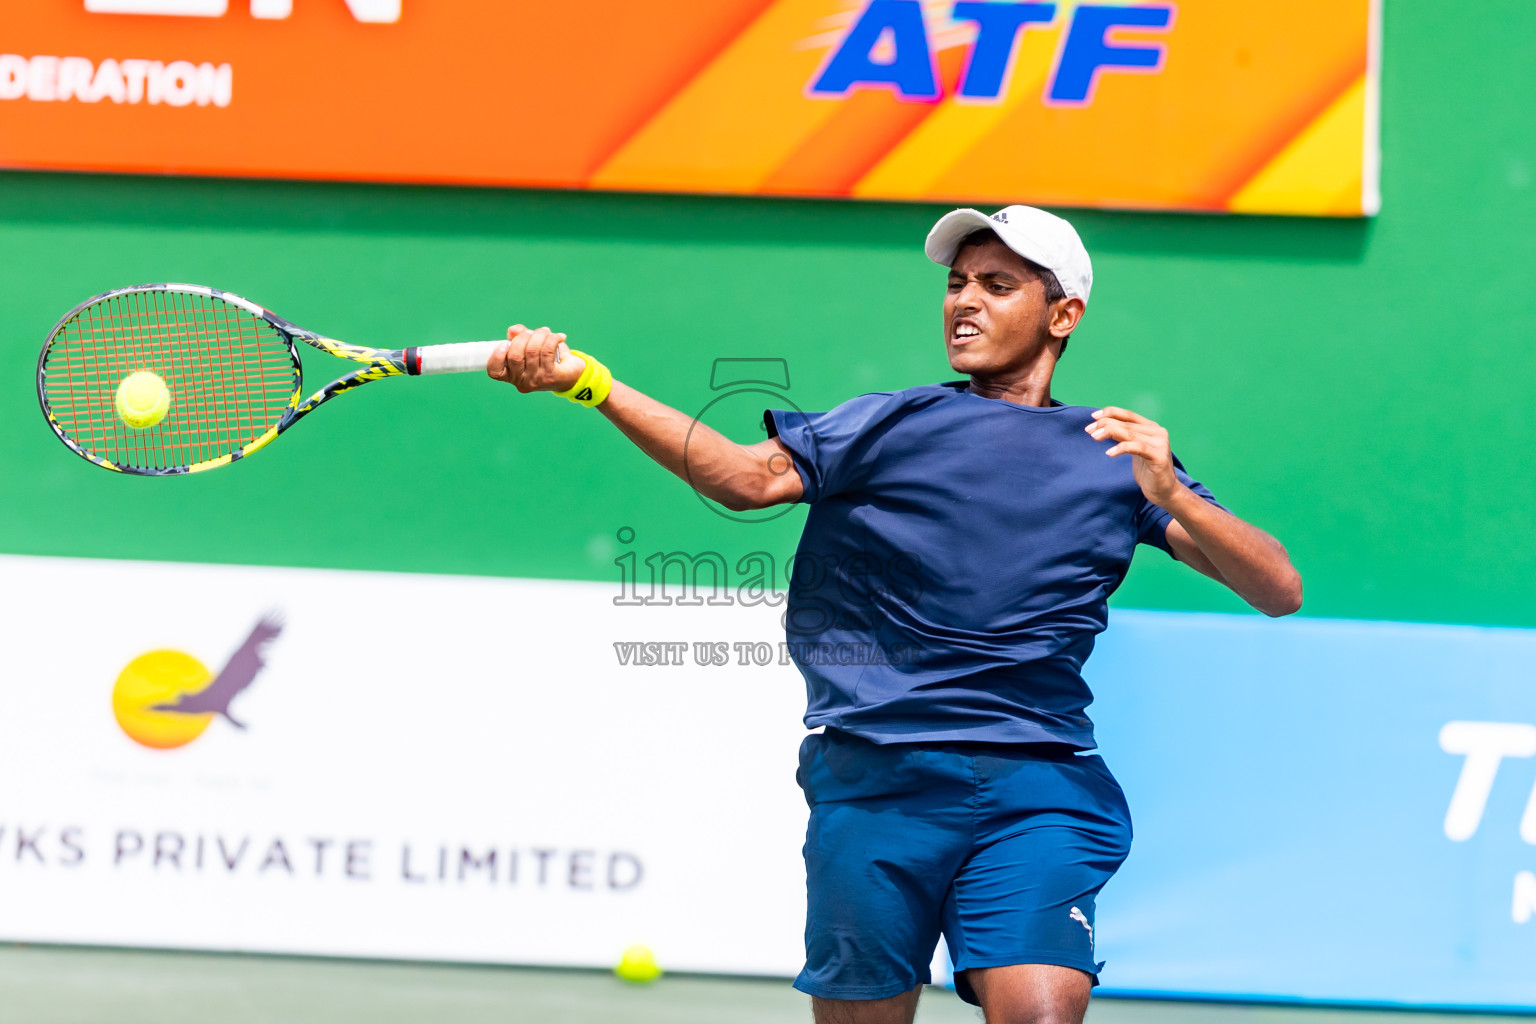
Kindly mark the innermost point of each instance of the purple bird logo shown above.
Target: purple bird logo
(165, 699)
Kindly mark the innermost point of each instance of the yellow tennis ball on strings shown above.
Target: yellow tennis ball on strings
(638, 966)
(143, 399)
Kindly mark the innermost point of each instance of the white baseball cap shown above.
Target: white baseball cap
(1042, 238)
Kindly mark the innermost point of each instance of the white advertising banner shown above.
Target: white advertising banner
(546, 772)
(375, 764)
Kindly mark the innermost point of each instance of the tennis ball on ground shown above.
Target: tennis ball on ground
(143, 399)
(638, 966)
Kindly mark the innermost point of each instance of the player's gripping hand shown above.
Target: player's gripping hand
(535, 361)
(1146, 443)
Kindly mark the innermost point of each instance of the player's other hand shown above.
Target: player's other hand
(535, 361)
(1146, 443)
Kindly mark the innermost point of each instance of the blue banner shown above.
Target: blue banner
(1325, 810)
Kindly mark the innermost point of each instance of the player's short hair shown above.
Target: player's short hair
(1053, 289)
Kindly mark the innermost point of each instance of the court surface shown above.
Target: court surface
(51, 985)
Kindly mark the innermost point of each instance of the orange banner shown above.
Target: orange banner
(1193, 105)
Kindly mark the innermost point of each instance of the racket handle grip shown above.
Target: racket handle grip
(464, 357)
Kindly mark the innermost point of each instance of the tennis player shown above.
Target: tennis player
(962, 542)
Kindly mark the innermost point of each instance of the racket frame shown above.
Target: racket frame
(377, 364)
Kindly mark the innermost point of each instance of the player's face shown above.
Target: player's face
(996, 318)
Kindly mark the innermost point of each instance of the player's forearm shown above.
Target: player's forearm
(1244, 557)
(738, 476)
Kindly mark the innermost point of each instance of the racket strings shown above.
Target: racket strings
(230, 375)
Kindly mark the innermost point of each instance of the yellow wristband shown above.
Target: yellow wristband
(592, 387)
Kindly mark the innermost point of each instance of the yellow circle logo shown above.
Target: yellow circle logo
(165, 699)
(147, 685)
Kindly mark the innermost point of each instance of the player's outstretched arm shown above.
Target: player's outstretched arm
(740, 477)
(1242, 556)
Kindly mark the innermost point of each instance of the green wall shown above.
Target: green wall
(1364, 390)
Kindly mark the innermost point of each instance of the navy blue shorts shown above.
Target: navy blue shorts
(1003, 849)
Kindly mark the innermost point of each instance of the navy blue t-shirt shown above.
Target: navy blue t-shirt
(956, 564)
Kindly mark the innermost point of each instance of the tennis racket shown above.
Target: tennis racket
(231, 369)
